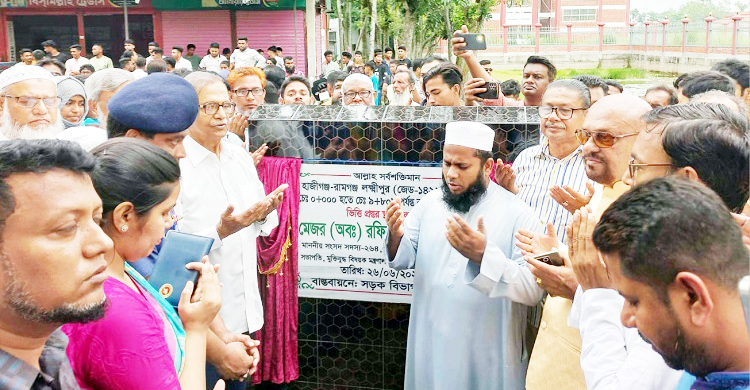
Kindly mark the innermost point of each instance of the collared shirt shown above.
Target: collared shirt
(139, 74)
(101, 63)
(207, 186)
(182, 63)
(55, 374)
(249, 57)
(212, 64)
(330, 67)
(537, 171)
(614, 357)
(73, 65)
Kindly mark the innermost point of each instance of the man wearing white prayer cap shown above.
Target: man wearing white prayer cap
(459, 239)
(28, 104)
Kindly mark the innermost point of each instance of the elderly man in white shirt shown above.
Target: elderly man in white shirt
(218, 178)
(244, 57)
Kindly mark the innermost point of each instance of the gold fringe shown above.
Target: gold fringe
(282, 257)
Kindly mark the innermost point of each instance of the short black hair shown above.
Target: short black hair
(127, 54)
(431, 58)
(278, 48)
(214, 45)
(652, 229)
(387, 49)
(417, 63)
(376, 52)
(116, 129)
(593, 82)
(178, 48)
(358, 52)
(52, 61)
(75, 46)
(719, 152)
(38, 54)
(158, 50)
(402, 47)
(347, 55)
(335, 77)
(448, 71)
(190, 46)
(613, 83)
(272, 93)
(25, 50)
(242, 39)
(327, 53)
(153, 43)
(50, 43)
(88, 66)
(704, 81)
(171, 61)
(294, 78)
(275, 75)
(737, 70)
(130, 41)
(485, 62)
(510, 88)
(662, 87)
(287, 58)
(370, 65)
(551, 70)
(272, 48)
(37, 156)
(124, 61)
(140, 62)
(98, 44)
(679, 80)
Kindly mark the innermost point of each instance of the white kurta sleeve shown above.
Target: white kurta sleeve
(503, 276)
(614, 357)
(406, 255)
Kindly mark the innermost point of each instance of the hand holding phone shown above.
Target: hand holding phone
(493, 91)
(473, 41)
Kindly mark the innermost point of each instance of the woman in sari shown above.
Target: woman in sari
(142, 343)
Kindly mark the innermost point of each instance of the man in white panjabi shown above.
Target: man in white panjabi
(459, 239)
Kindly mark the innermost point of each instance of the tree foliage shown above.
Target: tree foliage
(418, 24)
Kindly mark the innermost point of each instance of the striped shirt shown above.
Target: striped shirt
(537, 171)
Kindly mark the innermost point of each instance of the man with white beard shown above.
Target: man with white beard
(28, 104)
(401, 92)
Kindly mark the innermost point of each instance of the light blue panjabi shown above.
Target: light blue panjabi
(467, 329)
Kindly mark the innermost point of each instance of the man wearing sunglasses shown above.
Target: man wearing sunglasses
(703, 142)
(28, 104)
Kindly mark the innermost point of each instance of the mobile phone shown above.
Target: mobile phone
(474, 41)
(493, 90)
(551, 258)
(744, 287)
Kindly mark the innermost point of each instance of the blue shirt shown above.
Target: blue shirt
(716, 381)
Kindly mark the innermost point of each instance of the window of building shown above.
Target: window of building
(579, 15)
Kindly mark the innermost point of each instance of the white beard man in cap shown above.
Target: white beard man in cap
(29, 104)
(460, 335)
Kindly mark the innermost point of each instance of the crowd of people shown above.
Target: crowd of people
(606, 256)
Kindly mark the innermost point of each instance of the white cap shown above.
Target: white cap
(16, 74)
(470, 134)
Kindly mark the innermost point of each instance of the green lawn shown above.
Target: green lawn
(613, 73)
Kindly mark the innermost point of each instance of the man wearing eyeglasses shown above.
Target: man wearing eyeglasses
(248, 90)
(539, 170)
(703, 142)
(29, 104)
(358, 90)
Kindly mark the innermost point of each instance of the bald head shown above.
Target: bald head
(619, 116)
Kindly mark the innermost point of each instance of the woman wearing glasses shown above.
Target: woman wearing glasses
(141, 343)
(218, 178)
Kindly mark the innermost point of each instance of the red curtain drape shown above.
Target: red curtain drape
(277, 278)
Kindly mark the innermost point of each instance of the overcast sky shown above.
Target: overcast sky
(655, 6)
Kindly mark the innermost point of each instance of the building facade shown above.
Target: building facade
(555, 14)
